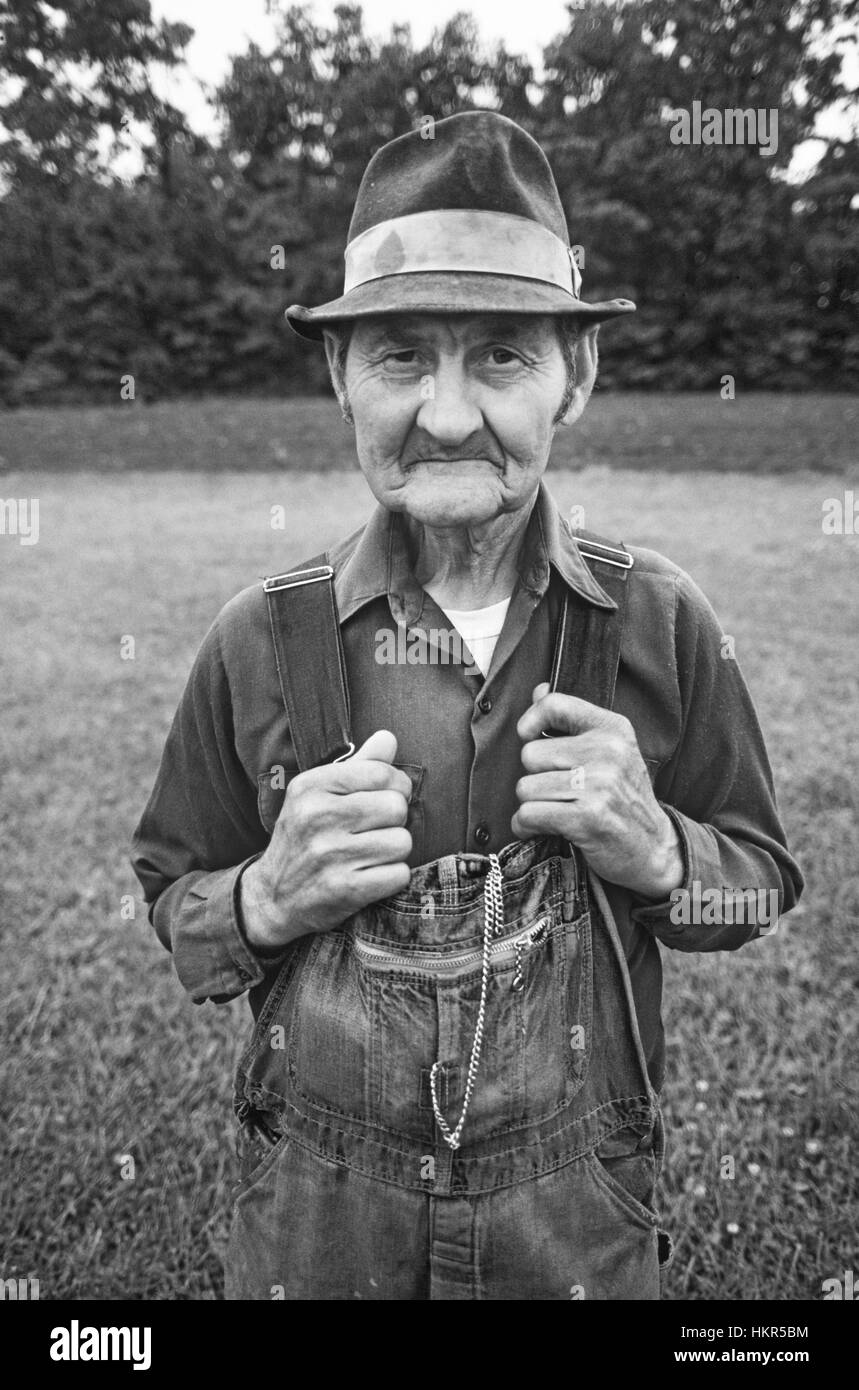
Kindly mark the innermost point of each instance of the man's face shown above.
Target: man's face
(454, 415)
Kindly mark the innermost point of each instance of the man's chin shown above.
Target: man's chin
(453, 494)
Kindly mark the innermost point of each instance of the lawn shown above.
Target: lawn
(116, 1146)
(755, 433)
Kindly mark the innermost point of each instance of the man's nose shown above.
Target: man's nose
(449, 412)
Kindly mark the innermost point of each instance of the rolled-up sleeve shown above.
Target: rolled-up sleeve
(718, 790)
(199, 831)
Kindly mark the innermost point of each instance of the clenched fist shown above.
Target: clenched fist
(589, 784)
(340, 843)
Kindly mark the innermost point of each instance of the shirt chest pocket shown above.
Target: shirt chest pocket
(271, 789)
(653, 765)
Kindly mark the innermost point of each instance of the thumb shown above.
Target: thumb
(380, 746)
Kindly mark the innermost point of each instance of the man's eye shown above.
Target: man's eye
(405, 357)
(503, 357)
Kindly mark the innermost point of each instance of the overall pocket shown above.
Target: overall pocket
(422, 1007)
(363, 1020)
(550, 1011)
(258, 1145)
(333, 1060)
(626, 1164)
(630, 1185)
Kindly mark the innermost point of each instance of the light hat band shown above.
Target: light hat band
(458, 239)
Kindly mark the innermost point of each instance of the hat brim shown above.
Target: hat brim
(450, 292)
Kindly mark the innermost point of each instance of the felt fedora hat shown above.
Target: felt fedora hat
(468, 221)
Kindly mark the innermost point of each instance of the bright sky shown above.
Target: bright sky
(224, 27)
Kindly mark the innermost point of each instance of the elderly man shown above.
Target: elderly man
(442, 867)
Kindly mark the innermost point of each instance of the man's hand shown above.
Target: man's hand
(339, 843)
(590, 785)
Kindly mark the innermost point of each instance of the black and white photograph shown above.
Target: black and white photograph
(429, 595)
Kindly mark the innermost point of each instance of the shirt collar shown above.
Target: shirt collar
(376, 563)
(549, 542)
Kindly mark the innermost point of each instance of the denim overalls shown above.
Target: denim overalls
(447, 1097)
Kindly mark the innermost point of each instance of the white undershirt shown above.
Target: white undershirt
(480, 628)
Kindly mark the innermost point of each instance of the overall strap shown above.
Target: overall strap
(587, 645)
(308, 649)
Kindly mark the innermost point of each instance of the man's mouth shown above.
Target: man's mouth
(454, 462)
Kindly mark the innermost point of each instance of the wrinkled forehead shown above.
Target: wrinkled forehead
(454, 330)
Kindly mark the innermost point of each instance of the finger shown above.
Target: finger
(369, 847)
(565, 714)
(381, 747)
(543, 818)
(548, 754)
(361, 775)
(568, 785)
(382, 881)
(373, 810)
(539, 691)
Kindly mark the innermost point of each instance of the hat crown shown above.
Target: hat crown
(461, 215)
(476, 160)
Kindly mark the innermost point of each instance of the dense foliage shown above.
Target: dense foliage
(171, 277)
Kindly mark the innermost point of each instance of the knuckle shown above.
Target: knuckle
(558, 709)
(384, 809)
(296, 789)
(348, 777)
(296, 816)
(402, 845)
(389, 807)
(312, 799)
(400, 877)
(389, 778)
(352, 890)
(309, 816)
(529, 756)
(316, 847)
(322, 847)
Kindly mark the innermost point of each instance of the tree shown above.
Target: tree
(702, 236)
(75, 68)
(178, 276)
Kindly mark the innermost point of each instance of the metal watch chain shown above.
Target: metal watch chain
(493, 925)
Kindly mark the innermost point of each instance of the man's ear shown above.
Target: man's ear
(586, 357)
(330, 341)
(336, 365)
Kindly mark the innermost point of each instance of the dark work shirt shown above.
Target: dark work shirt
(229, 756)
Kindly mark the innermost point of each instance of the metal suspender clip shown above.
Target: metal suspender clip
(608, 554)
(294, 578)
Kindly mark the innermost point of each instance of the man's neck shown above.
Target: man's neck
(466, 567)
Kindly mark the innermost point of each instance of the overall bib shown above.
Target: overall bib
(447, 1097)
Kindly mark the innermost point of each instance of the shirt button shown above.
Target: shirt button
(481, 834)
(484, 704)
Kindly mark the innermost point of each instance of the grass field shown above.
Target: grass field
(103, 1057)
(755, 433)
